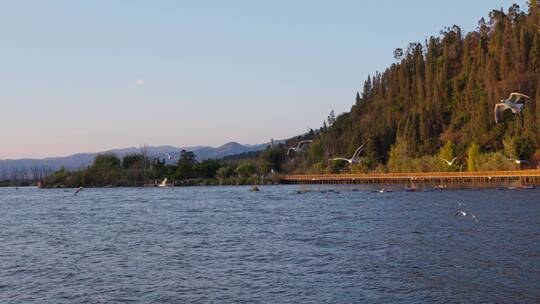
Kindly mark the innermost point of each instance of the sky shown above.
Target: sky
(89, 76)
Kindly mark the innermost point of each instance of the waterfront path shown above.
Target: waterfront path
(523, 177)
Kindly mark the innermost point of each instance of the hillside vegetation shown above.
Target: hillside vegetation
(442, 92)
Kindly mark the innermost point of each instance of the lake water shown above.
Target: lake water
(226, 244)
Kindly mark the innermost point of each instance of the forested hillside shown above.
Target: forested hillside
(443, 91)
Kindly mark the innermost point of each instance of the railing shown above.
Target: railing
(414, 175)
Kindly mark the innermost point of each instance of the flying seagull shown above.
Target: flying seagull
(464, 213)
(517, 161)
(449, 163)
(77, 191)
(513, 103)
(300, 147)
(354, 158)
(163, 183)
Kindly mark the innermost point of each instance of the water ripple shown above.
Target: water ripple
(226, 244)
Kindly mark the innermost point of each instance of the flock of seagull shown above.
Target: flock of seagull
(515, 103)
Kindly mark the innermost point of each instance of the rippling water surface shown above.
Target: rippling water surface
(226, 244)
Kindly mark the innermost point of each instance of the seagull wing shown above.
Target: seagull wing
(358, 151)
(459, 212)
(498, 110)
(341, 158)
(302, 144)
(474, 217)
(517, 97)
(290, 150)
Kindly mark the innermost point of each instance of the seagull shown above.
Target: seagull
(163, 183)
(449, 163)
(77, 191)
(354, 158)
(513, 103)
(300, 147)
(464, 213)
(517, 161)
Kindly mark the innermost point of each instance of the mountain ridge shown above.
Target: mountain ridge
(37, 167)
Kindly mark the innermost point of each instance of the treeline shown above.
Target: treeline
(443, 90)
(22, 175)
(108, 170)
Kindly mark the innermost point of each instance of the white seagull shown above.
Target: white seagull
(163, 183)
(354, 158)
(464, 213)
(77, 191)
(300, 147)
(517, 161)
(513, 103)
(449, 163)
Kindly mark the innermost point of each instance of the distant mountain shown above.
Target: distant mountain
(29, 168)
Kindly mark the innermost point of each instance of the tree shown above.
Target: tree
(274, 156)
(187, 157)
(134, 160)
(398, 54)
(106, 161)
(184, 169)
(206, 169)
(246, 170)
(399, 159)
(225, 172)
(331, 118)
(473, 153)
(448, 151)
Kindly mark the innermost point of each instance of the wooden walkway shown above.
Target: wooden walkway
(521, 177)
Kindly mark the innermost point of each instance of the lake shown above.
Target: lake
(226, 244)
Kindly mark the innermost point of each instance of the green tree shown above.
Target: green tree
(106, 161)
(184, 168)
(132, 160)
(206, 169)
(473, 154)
(448, 151)
(274, 156)
(399, 159)
(246, 170)
(331, 118)
(225, 172)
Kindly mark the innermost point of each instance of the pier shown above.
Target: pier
(446, 179)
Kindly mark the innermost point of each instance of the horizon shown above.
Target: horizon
(93, 77)
(114, 150)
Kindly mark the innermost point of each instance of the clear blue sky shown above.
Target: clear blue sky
(82, 76)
